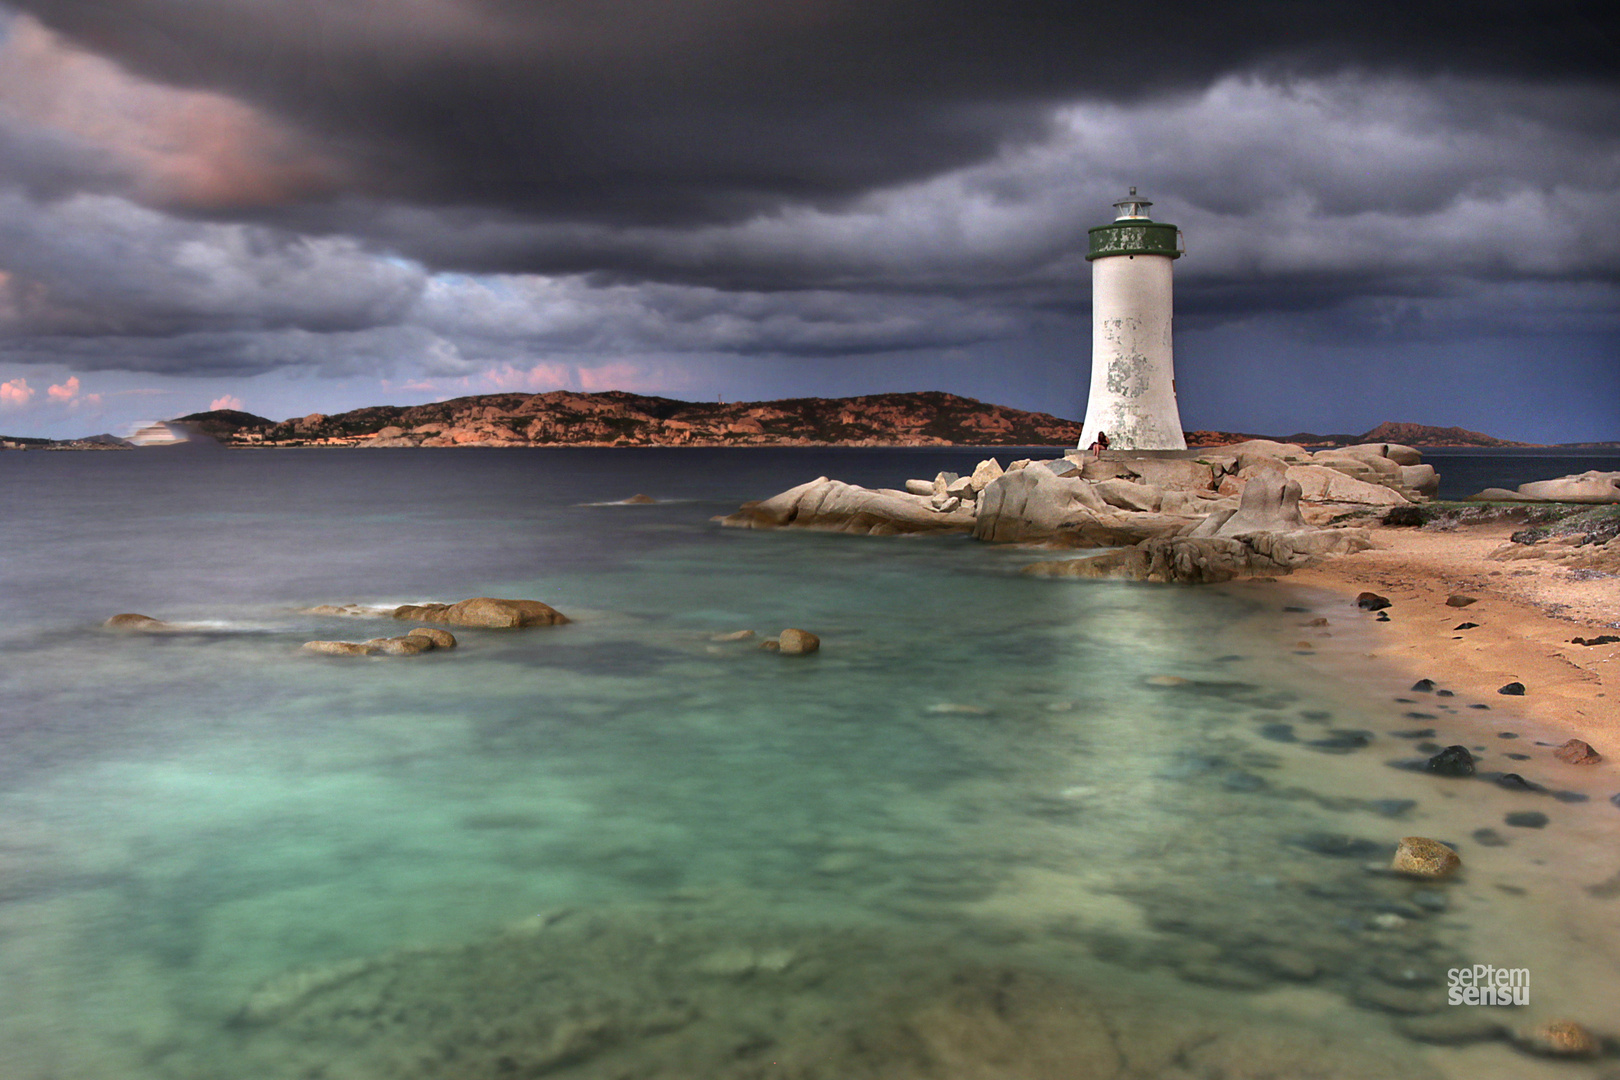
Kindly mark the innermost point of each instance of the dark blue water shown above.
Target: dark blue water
(1465, 471)
(223, 857)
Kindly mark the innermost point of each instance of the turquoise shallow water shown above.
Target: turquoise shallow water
(710, 860)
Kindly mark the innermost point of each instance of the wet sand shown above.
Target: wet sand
(1527, 612)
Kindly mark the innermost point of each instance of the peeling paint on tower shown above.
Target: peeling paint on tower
(1133, 396)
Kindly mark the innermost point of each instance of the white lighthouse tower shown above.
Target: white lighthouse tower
(1133, 381)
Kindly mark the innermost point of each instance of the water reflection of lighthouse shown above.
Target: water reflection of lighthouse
(1133, 384)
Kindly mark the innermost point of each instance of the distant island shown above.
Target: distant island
(616, 418)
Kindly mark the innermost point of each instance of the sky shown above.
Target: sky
(1391, 212)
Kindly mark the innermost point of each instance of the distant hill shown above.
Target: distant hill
(1387, 432)
(616, 418)
(223, 423)
(1425, 435)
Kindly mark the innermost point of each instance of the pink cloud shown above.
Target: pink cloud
(536, 379)
(180, 147)
(619, 375)
(15, 393)
(229, 401)
(67, 391)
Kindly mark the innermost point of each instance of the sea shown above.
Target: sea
(998, 826)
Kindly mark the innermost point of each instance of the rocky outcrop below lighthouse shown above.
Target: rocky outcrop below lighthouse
(1247, 509)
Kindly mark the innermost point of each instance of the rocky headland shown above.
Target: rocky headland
(1252, 508)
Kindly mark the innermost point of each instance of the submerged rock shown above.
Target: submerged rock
(139, 624)
(1452, 761)
(339, 648)
(1558, 1038)
(1421, 857)
(442, 639)
(485, 612)
(401, 646)
(793, 642)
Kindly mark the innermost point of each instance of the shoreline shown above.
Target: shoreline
(1526, 613)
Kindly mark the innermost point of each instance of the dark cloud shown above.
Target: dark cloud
(95, 265)
(642, 111)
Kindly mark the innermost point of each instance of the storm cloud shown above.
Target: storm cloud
(448, 187)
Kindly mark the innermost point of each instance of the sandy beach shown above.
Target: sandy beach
(1526, 613)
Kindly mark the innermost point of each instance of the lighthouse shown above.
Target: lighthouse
(1133, 381)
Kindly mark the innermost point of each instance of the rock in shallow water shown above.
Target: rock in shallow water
(1421, 857)
(793, 642)
(442, 639)
(139, 624)
(486, 612)
(1559, 1038)
(338, 648)
(1452, 761)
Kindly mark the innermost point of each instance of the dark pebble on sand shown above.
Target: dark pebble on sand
(1518, 757)
(1507, 734)
(1405, 701)
(1444, 693)
(1466, 626)
(1415, 733)
(1514, 782)
(1423, 686)
(1615, 799)
(1382, 617)
(1278, 732)
(1478, 705)
(1489, 838)
(1452, 761)
(1513, 689)
(1570, 796)
(1297, 609)
(1527, 819)
(1371, 601)
(1420, 716)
